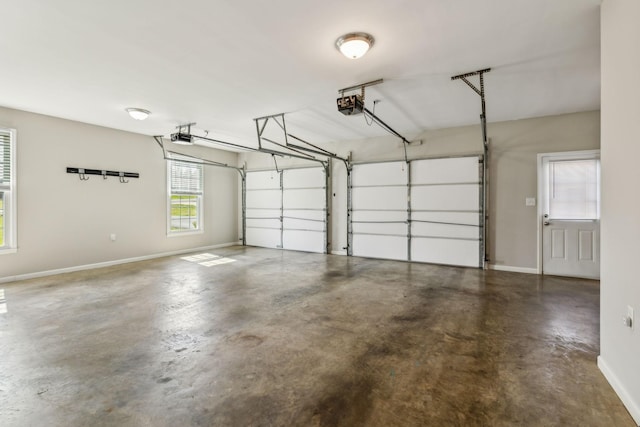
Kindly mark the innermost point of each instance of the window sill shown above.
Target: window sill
(184, 233)
(8, 251)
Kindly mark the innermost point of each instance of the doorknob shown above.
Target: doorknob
(546, 223)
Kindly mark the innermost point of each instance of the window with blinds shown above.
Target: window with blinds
(574, 191)
(5, 159)
(185, 196)
(7, 189)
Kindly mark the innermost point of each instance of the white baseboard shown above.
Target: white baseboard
(632, 406)
(513, 269)
(109, 263)
(338, 252)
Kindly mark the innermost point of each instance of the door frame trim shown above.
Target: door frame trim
(560, 155)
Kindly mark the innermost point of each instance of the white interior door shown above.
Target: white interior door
(572, 248)
(571, 214)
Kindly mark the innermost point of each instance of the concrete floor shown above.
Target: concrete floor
(293, 339)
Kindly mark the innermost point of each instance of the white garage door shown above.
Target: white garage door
(263, 209)
(427, 211)
(379, 210)
(287, 209)
(445, 211)
(304, 210)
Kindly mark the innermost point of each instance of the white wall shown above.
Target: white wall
(64, 222)
(619, 346)
(513, 173)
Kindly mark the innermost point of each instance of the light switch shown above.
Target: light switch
(530, 201)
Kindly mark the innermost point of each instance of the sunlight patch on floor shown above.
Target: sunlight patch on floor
(208, 260)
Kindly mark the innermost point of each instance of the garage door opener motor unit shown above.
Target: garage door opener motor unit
(350, 104)
(183, 136)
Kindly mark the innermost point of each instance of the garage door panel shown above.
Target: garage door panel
(390, 173)
(304, 198)
(443, 230)
(446, 251)
(318, 215)
(470, 218)
(263, 213)
(261, 180)
(300, 224)
(382, 216)
(303, 178)
(263, 223)
(307, 241)
(446, 197)
(449, 170)
(387, 247)
(379, 198)
(376, 228)
(270, 199)
(265, 238)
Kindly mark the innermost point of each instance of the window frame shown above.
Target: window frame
(544, 161)
(200, 197)
(591, 204)
(9, 206)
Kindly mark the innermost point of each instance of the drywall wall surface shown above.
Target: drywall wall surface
(513, 226)
(64, 222)
(620, 284)
(512, 177)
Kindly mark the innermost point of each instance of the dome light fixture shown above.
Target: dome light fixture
(354, 45)
(138, 113)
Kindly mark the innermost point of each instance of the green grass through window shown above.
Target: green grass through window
(184, 206)
(184, 209)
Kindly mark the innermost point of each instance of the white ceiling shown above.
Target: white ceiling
(223, 63)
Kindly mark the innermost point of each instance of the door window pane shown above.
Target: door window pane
(574, 189)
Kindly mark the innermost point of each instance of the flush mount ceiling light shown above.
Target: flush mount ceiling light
(138, 113)
(354, 45)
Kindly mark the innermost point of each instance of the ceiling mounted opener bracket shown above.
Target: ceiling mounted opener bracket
(303, 151)
(480, 91)
(354, 104)
(484, 191)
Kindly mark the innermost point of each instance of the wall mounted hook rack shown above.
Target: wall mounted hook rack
(83, 174)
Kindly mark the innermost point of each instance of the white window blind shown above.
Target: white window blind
(574, 189)
(186, 178)
(5, 160)
(7, 192)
